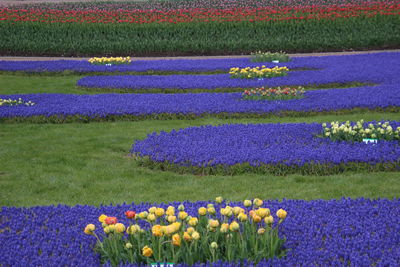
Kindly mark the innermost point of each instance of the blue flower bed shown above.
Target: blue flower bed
(196, 65)
(359, 232)
(380, 68)
(274, 148)
(60, 107)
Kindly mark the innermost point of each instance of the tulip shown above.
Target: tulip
(257, 202)
(269, 220)
(171, 219)
(187, 237)
(89, 229)
(102, 218)
(110, 220)
(219, 200)
(213, 223)
(247, 203)
(202, 211)
(151, 217)
(182, 215)
(159, 212)
(157, 230)
(234, 226)
(176, 240)
(190, 230)
(119, 228)
(281, 214)
(130, 214)
(195, 235)
(193, 221)
(224, 228)
(147, 252)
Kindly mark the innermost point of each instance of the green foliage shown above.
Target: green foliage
(272, 169)
(269, 57)
(73, 39)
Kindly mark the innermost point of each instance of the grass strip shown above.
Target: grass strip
(148, 72)
(272, 169)
(219, 90)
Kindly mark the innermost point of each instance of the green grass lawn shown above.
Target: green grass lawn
(76, 163)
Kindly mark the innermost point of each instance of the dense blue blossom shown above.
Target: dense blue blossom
(289, 144)
(358, 232)
(382, 68)
(103, 105)
(150, 65)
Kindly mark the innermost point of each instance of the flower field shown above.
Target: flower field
(198, 27)
(113, 161)
(361, 232)
(333, 69)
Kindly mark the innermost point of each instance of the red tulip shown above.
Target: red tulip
(130, 214)
(111, 220)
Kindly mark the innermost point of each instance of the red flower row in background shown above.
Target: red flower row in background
(368, 9)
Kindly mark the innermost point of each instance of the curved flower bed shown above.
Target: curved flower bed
(263, 148)
(360, 232)
(203, 65)
(63, 107)
(173, 65)
(372, 68)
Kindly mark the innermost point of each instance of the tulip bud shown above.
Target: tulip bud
(256, 218)
(211, 210)
(152, 209)
(89, 229)
(269, 219)
(151, 217)
(247, 203)
(190, 230)
(119, 228)
(261, 231)
(182, 215)
(213, 223)
(193, 221)
(234, 226)
(171, 219)
(102, 218)
(181, 207)
(143, 215)
(202, 211)
(195, 235)
(214, 245)
(257, 202)
(219, 200)
(224, 228)
(147, 252)
(281, 214)
(159, 212)
(128, 245)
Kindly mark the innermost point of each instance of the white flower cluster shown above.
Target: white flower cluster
(360, 130)
(13, 102)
